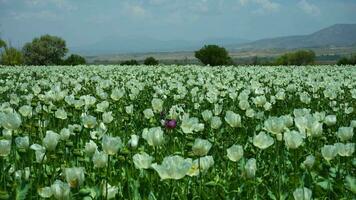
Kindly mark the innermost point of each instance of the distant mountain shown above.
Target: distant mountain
(336, 35)
(135, 44)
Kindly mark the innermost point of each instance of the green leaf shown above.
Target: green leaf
(324, 184)
(21, 191)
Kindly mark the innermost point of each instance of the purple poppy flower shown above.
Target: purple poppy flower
(171, 123)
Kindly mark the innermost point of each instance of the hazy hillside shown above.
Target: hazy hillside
(336, 35)
(134, 44)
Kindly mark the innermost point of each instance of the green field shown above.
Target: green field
(177, 132)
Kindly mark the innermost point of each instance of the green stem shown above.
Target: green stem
(107, 177)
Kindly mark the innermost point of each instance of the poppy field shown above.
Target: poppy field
(177, 132)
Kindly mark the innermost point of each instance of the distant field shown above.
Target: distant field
(324, 56)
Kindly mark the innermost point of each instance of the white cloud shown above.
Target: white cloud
(61, 4)
(265, 5)
(309, 8)
(135, 10)
(43, 15)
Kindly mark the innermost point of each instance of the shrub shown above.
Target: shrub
(151, 61)
(11, 56)
(75, 59)
(213, 55)
(301, 57)
(129, 62)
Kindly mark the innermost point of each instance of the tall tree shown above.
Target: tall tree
(46, 50)
(213, 55)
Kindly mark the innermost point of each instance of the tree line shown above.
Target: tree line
(45, 50)
(52, 50)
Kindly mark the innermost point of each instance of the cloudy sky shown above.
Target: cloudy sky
(82, 22)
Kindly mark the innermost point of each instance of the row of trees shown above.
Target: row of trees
(147, 61)
(214, 55)
(51, 50)
(45, 50)
(347, 61)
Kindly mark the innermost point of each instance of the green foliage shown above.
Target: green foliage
(46, 50)
(347, 61)
(302, 57)
(213, 55)
(129, 62)
(75, 59)
(11, 56)
(151, 61)
(21, 191)
(2, 44)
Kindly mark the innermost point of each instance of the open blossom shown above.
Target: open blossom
(22, 142)
(250, 168)
(215, 122)
(345, 133)
(153, 136)
(60, 190)
(112, 191)
(5, 147)
(60, 114)
(293, 139)
(148, 113)
(74, 176)
(90, 147)
(274, 125)
(10, 121)
(100, 159)
(133, 142)
(235, 153)
(89, 121)
(262, 140)
(302, 194)
(191, 124)
(207, 115)
(142, 160)
(173, 167)
(111, 145)
(201, 147)
(51, 140)
(329, 152)
(157, 105)
(233, 119)
(201, 165)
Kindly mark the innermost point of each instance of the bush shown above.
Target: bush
(213, 55)
(2, 44)
(347, 61)
(129, 62)
(301, 57)
(75, 59)
(11, 57)
(151, 61)
(46, 50)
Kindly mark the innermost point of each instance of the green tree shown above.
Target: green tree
(213, 55)
(347, 61)
(75, 59)
(151, 61)
(11, 57)
(46, 50)
(129, 62)
(302, 57)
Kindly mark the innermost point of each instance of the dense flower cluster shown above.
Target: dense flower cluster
(177, 132)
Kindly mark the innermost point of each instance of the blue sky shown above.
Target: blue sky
(87, 21)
